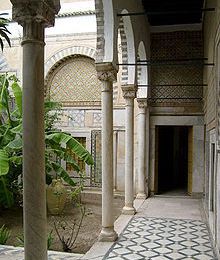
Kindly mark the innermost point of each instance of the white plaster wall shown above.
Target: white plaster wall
(198, 159)
(87, 22)
(211, 31)
(70, 25)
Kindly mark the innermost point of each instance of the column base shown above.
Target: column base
(128, 210)
(141, 196)
(107, 235)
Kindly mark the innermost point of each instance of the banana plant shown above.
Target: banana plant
(58, 145)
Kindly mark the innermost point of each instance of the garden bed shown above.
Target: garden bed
(89, 231)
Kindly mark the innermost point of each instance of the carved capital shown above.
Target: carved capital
(142, 102)
(106, 71)
(129, 91)
(39, 11)
(107, 75)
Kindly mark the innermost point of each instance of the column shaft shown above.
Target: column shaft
(34, 18)
(107, 232)
(129, 95)
(141, 194)
(147, 151)
(107, 155)
(35, 221)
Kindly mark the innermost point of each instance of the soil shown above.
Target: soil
(88, 233)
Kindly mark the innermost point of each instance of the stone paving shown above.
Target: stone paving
(17, 253)
(164, 228)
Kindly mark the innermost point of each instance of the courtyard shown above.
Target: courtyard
(163, 228)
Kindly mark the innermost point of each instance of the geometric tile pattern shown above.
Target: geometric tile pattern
(97, 118)
(176, 81)
(96, 169)
(74, 80)
(160, 239)
(77, 118)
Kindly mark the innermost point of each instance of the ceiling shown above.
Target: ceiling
(170, 12)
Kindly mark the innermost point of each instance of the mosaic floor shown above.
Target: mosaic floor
(160, 239)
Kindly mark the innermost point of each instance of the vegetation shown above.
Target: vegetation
(4, 31)
(50, 238)
(59, 145)
(4, 234)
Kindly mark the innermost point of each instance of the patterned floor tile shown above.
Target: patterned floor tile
(160, 239)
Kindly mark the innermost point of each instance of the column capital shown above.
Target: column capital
(129, 91)
(39, 11)
(142, 102)
(106, 71)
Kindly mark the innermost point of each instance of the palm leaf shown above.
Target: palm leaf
(4, 31)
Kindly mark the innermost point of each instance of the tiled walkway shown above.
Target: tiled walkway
(161, 238)
(164, 228)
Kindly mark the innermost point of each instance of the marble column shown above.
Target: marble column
(142, 149)
(129, 93)
(34, 18)
(107, 74)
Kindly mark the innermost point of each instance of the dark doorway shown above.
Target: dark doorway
(172, 159)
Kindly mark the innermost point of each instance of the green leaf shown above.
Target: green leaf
(7, 136)
(51, 105)
(4, 164)
(6, 196)
(18, 95)
(16, 144)
(63, 174)
(16, 159)
(3, 94)
(71, 143)
(17, 129)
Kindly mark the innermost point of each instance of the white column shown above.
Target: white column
(107, 75)
(34, 18)
(141, 188)
(147, 150)
(129, 93)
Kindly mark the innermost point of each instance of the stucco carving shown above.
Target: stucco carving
(129, 92)
(142, 102)
(39, 11)
(107, 75)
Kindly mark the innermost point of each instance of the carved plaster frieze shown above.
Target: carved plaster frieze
(40, 11)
